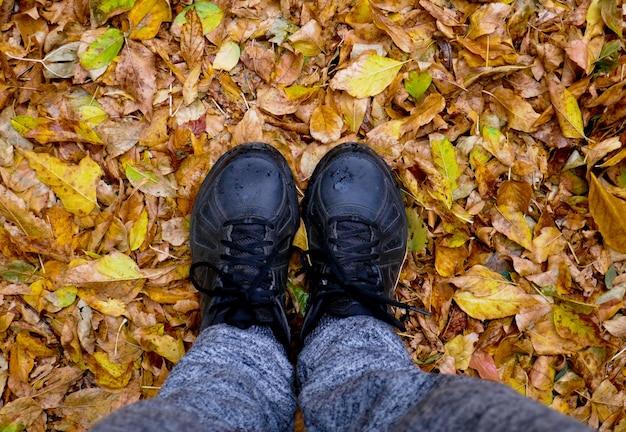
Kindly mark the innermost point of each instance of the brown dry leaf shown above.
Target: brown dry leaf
(549, 242)
(288, 68)
(250, 128)
(14, 209)
(136, 73)
(515, 194)
(192, 39)
(22, 411)
(400, 37)
(308, 40)
(511, 222)
(259, 59)
(487, 19)
(326, 124)
(546, 340)
(520, 114)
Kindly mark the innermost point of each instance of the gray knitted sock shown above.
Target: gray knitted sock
(354, 374)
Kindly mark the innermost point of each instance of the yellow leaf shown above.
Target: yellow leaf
(110, 268)
(484, 294)
(368, 75)
(108, 373)
(138, 232)
(576, 326)
(444, 158)
(448, 259)
(608, 212)
(117, 266)
(153, 339)
(511, 222)
(353, 111)
(325, 124)
(461, 348)
(114, 369)
(567, 111)
(146, 17)
(227, 57)
(548, 243)
(75, 185)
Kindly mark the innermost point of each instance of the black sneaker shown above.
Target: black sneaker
(242, 224)
(357, 231)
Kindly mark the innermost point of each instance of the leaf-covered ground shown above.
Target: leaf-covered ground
(504, 122)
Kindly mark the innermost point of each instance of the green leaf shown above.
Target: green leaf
(63, 297)
(366, 76)
(18, 271)
(103, 50)
(209, 13)
(418, 233)
(300, 295)
(417, 83)
(15, 427)
(607, 60)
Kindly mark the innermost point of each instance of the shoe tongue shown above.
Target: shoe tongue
(353, 234)
(246, 235)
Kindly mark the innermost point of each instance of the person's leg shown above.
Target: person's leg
(231, 380)
(472, 404)
(236, 376)
(354, 373)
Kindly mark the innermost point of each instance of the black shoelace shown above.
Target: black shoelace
(349, 271)
(244, 270)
